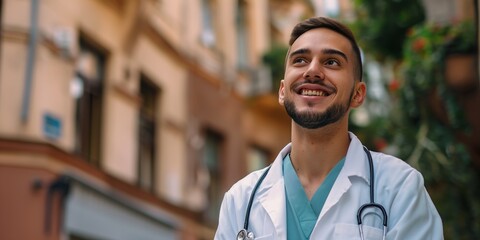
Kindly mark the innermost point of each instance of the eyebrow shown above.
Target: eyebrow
(335, 52)
(329, 51)
(299, 52)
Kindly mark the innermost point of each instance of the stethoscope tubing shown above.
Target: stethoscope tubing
(372, 203)
(250, 201)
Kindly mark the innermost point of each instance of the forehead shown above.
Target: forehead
(322, 38)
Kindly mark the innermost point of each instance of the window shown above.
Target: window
(257, 158)
(208, 37)
(88, 83)
(242, 34)
(211, 157)
(147, 128)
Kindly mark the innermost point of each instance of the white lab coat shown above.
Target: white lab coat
(398, 187)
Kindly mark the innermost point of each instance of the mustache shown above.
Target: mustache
(319, 82)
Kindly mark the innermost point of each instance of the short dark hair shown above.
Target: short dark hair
(323, 22)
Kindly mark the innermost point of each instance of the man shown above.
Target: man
(318, 182)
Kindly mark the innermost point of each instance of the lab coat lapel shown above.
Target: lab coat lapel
(274, 204)
(341, 186)
(354, 166)
(273, 199)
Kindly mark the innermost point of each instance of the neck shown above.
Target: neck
(315, 152)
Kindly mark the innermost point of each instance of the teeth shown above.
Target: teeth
(312, 93)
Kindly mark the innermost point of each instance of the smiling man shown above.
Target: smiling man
(318, 185)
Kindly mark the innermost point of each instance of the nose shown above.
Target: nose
(314, 71)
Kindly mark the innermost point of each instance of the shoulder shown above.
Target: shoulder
(244, 186)
(236, 199)
(388, 163)
(395, 174)
(401, 190)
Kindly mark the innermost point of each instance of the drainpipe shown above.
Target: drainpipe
(32, 45)
(61, 186)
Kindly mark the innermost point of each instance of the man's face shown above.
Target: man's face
(319, 80)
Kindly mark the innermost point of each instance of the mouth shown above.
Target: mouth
(311, 92)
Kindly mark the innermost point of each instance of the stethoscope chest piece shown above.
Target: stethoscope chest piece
(244, 235)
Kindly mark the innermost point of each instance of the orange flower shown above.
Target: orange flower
(394, 85)
(419, 44)
(380, 144)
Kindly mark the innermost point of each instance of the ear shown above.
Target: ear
(359, 94)
(281, 92)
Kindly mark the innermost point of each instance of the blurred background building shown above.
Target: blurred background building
(129, 119)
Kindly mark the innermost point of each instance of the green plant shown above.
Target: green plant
(429, 142)
(424, 120)
(382, 25)
(275, 59)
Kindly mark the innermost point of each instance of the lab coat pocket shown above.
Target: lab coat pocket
(351, 232)
(265, 237)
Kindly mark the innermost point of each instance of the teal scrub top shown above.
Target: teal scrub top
(302, 214)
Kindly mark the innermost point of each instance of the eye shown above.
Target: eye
(332, 62)
(299, 60)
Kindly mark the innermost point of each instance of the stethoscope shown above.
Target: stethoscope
(244, 234)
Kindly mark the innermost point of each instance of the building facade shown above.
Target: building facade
(128, 119)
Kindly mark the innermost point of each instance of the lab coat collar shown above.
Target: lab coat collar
(356, 164)
(276, 171)
(356, 161)
(271, 194)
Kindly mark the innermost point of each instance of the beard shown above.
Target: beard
(314, 120)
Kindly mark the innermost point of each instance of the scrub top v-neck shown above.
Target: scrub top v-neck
(302, 214)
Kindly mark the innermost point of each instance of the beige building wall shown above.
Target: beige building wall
(51, 77)
(107, 26)
(260, 33)
(170, 76)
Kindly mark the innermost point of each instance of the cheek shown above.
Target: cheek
(293, 73)
(345, 85)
